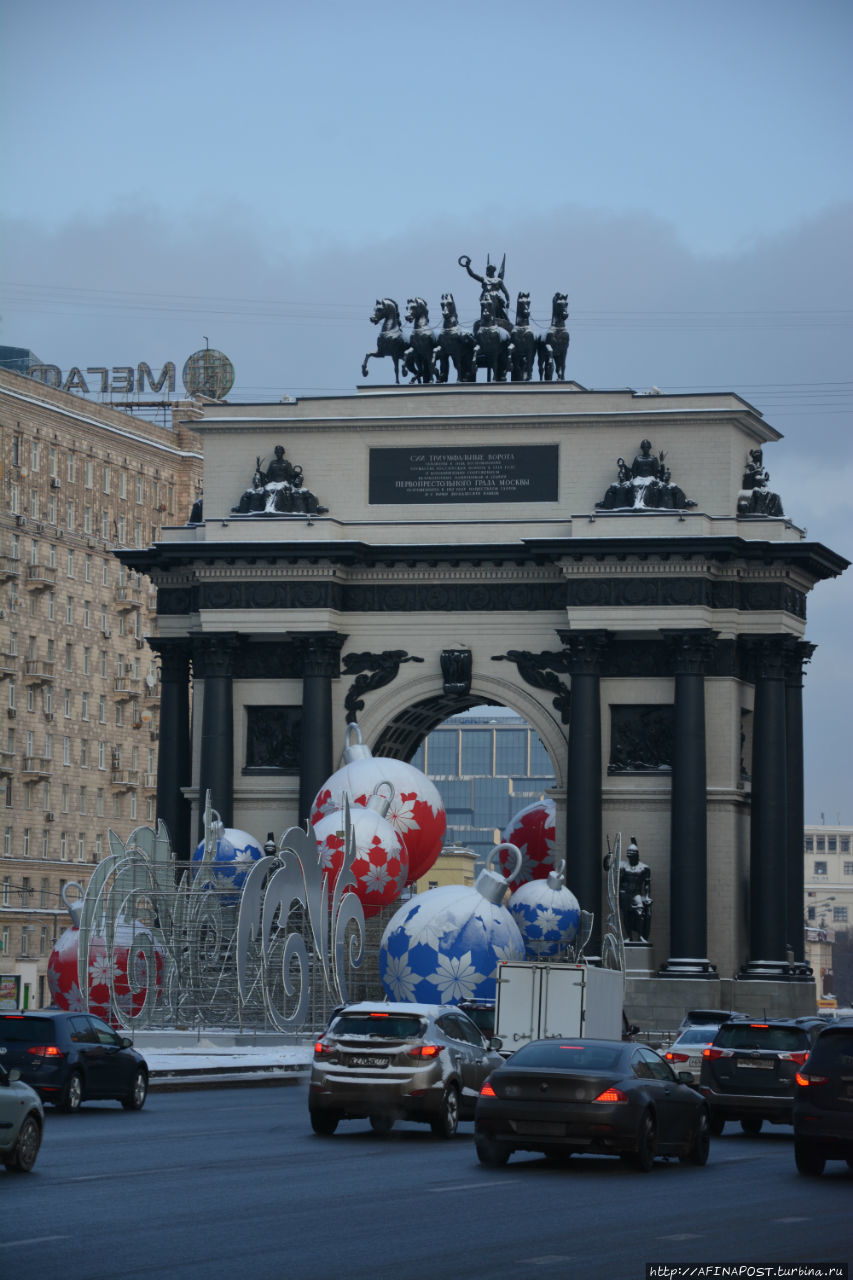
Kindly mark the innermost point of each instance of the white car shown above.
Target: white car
(21, 1122)
(685, 1053)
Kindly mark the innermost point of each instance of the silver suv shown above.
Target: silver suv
(422, 1062)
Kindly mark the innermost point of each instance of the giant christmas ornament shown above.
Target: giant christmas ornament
(547, 914)
(124, 980)
(445, 945)
(236, 852)
(381, 863)
(416, 811)
(533, 832)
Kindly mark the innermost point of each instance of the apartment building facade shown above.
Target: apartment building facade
(79, 683)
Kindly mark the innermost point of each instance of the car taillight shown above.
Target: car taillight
(611, 1095)
(805, 1081)
(716, 1053)
(798, 1057)
(45, 1051)
(322, 1050)
(676, 1057)
(487, 1091)
(425, 1051)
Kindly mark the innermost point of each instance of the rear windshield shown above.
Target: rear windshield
(697, 1035)
(745, 1035)
(833, 1049)
(26, 1030)
(401, 1026)
(564, 1055)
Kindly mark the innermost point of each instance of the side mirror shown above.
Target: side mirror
(496, 1043)
(14, 1075)
(125, 1042)
(686, 1077)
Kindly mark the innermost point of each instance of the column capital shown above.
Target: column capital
(690, 649)
(797, 654)
(768, 655)
(319, 651)
(174, 656)
(584, 651)
(213, 655)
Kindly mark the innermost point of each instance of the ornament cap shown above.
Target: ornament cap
(354, 747)
(492, 885)
(381, 803)
(75, 906)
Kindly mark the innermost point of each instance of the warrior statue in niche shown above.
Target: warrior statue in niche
(644, 485)
(755, 498)
(635, 903)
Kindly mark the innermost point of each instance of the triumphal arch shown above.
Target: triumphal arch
(617, 567)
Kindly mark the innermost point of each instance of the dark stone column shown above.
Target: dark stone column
(798, 653)
(321, 663)
(584, 651)
(173, 754)
(768, 911)
(213, 657)
(688, 884)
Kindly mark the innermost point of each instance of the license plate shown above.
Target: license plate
(761, 1064)
(365, 1060)
(693, 1064)
(544, 1129)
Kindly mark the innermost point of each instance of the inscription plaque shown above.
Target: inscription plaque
(461, 473)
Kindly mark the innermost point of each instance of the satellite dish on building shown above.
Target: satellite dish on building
(208, 373)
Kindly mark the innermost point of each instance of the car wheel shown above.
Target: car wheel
(491, 1153)
(72, 1094)
(809, 1161)
(26, 1149)
(324, 1122)
(751, 1125)
(701, 1144)
(644, 1156)
(135, 1100)
(446, 1124)
(382, 1122)
(717, 1125)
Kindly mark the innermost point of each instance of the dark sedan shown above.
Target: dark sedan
(603, 1097)
(71, 1057)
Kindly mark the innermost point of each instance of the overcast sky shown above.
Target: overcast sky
(253, 176)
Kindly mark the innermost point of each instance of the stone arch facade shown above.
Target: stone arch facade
(467, 555)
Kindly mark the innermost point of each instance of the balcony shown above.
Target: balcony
(149, 782)
(124, 779)
(10, 568)
(126, 688)
(8, 666)
(7, 763)
(40, 577)
(35, 768)
(38, 671)
(128, 598)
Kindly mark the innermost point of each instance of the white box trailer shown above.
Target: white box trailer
(536, 1000)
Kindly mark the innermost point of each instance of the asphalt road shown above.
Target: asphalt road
(231, 1182)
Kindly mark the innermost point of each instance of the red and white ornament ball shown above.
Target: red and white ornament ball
(533, 832)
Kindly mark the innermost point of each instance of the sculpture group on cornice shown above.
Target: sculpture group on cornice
(646, 483)
(506, 350)
(278, 490)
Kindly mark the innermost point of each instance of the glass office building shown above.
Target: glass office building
(487, 764)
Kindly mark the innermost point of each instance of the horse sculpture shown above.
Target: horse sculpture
(419, 359)
(553, 347)
(390, 341)
(524, 341)
(453, 343)
(491, 350)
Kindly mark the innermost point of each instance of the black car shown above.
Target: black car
(69, 1058)
(823, 1101)
(564, 1097)
(749, 1068)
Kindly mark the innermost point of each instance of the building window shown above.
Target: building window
(63, 845)
(69, 657)
(139, 489)
(84, 753)
(99, 846)
(848, 868)
(26, 842)
(67, 704)
(845, 844)
(84, 705)
(81, 847)
(832, 844)
(89, 472)
(69, 515)
(87, 614)
(106, 479)
(820, 868)
(821, 844)
(87, 519)
(839, 915)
